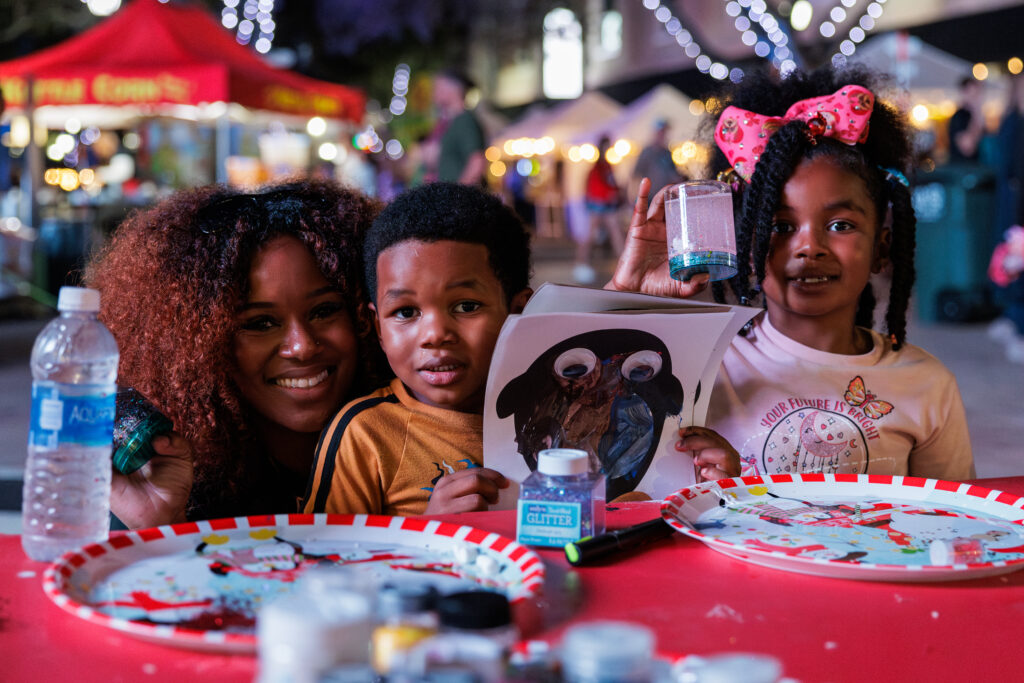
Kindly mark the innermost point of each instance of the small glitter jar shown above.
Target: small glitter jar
(562, 501)
(136, 424)
(945, 552)
(608, 652)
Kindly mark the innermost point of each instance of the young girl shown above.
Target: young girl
(822, 204)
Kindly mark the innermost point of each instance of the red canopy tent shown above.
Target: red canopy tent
(150, 53)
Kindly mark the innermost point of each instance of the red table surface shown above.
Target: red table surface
(696, 600)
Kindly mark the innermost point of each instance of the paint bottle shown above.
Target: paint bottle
(562, 501)
(452, 657)
(478, 612)
(609, 652)
(945, 552)
(407, 614)
(739, 667)
(321, 626)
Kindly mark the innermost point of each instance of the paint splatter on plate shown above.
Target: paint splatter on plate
(872, 527)
(200, 585)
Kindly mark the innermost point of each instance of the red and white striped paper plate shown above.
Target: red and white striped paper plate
(200, 585)
(872, 527)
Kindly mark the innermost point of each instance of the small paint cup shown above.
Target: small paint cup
(945, 552)
(699, 229)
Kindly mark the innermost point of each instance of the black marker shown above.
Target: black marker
(589, 549)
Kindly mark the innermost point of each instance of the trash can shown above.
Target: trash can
(955, 207)
(64, 245)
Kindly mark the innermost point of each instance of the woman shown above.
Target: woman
(242, 318)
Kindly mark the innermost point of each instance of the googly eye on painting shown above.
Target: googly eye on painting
(642, 366)
(575, 363)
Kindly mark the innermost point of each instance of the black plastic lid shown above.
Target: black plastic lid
(473, 610)
(406, 598)
(450, 674)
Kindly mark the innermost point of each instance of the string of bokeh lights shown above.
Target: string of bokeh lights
(256, 25)
(774, 43)
(857, 32)
(693, 50)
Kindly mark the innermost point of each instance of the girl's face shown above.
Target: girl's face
(295, 346)
(826, 243)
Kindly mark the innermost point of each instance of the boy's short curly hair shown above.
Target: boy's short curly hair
(461, 213)
(888, 149)
(172, 278)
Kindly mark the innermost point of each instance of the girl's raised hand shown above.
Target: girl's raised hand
(713, 456)
(643, 264)
(158, 492)
(469, 490)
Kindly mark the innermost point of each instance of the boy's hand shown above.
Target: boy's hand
(713, 456)
(468, 490)
(643, 265)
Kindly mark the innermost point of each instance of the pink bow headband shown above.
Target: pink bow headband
(843, 115)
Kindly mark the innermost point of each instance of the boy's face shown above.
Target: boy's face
(439, 310)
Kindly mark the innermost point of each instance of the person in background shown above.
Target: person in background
(967, 126)
(603, 198)
(243, 318)
(823, 203)
(655, 161)
(458, 133)
(1008, 328)
(445, 265)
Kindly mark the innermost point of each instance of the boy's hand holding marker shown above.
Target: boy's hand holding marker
(469, 490)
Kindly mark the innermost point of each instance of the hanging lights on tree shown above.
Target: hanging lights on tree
(858, 31)
(253, 23)
(686, 41)
(769, 38)
(773, 43)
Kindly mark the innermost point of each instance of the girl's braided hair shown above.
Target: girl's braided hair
(887, 149)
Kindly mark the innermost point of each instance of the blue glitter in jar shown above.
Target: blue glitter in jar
(562, 501)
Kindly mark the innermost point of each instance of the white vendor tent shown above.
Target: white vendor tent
(913, 63)
(563, 121)
(636, 121)
(925, 76)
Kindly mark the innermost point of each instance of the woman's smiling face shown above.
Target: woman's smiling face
(295, 345)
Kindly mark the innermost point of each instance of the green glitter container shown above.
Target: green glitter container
(136, 424)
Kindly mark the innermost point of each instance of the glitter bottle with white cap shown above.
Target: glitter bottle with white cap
(562, 501)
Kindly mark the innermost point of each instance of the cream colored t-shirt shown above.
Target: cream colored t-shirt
(788, 408)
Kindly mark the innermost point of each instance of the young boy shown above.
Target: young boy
(445, 264)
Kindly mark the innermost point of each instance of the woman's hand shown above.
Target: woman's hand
(643, 264)
(158, 491)
(468, 490)
(713, 456)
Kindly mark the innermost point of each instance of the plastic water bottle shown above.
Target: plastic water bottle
(66, 500)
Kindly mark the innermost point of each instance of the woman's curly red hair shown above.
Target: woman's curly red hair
(171, 280)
